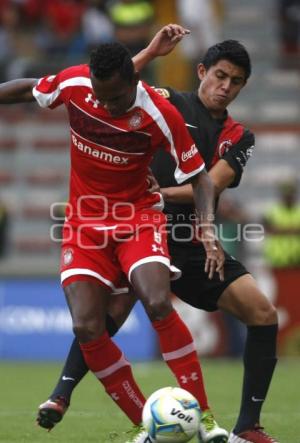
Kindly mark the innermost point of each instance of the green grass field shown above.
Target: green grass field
(92, 416)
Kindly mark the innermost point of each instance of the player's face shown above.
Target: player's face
(220, 84)
(115, 94)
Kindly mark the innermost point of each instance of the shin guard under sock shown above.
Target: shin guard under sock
(109, 365)
(178, 351)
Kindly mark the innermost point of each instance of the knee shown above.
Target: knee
(248, 303)
(268, 315)
(157, 306)
(87, 330)
(264, 314)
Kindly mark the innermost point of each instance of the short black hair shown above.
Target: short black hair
(110, 58)
(230, 50)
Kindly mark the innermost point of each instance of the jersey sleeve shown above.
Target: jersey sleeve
(54, 90)
(181, 146)
(238, 155)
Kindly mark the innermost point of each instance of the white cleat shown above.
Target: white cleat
(210, 431)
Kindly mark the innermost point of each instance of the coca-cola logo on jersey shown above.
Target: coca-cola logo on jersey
(224, 147)
(189, 154)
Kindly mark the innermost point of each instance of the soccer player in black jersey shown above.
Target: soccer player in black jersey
(225, 146)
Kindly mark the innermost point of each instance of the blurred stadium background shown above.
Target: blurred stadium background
(39, 37)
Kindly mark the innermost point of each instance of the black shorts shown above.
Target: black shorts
(194, 287)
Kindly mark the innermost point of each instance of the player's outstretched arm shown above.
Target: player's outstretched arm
(204, 197)
(162, 44)
(17, 91)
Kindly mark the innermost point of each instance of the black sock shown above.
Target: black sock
(259, 363)
(75, 367)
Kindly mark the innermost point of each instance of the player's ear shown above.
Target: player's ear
(201, 71)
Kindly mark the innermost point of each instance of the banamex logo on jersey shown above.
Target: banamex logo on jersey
(96, 153)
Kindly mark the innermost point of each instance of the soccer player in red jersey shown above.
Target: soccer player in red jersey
(113, 222)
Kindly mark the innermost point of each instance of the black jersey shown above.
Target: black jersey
(215, 139)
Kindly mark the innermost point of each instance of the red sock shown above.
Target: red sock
(178, 351)
(109, 365)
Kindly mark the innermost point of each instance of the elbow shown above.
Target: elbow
(203, 180)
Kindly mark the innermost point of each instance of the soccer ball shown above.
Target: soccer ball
(171, 415)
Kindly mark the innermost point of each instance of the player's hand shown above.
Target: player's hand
(153, 183)
(215, 258)
(166, 39)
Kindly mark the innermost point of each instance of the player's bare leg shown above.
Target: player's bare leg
(82, 298)
(244, 300)
(75, 368)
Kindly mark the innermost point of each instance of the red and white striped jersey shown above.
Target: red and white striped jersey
(110, 156)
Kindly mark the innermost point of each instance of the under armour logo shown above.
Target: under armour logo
(156, 248)
(115, 396)
(185, 378)
(89, 98)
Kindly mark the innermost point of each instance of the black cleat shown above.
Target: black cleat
(51, 412)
